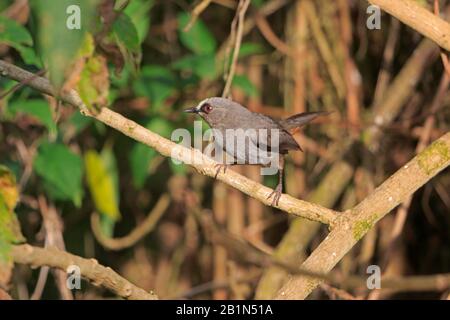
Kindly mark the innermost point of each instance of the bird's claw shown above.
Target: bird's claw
(276, 193)
(220, 166)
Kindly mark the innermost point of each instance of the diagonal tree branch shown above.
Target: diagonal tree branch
(416, 16)
(192, 157)
(355, 223)
(294, 242)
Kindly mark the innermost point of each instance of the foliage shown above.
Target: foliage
(136, 58)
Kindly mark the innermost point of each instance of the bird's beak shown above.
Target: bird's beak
(191, 110)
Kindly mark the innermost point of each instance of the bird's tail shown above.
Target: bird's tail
(300, 119)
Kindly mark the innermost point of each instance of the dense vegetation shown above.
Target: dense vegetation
(76, 184)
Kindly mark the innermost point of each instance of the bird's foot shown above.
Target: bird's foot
(276, 193)
(220, 166)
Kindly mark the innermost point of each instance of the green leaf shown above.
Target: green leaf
(198, 39)
(79, 121)
(9, 195)
(155, 82)
(250, 48)
(109, 160)
(58, 43)
(61, 171)
(243, 83)
(11, 32)
(38, 109)
(28, 55)
(94, 83)
(203, 66)
(9, 234)
(102, 185)
(8, 187)
(140, 158)
(128, 41)
(6, 262)
(138, 11)
(87, 47)
(18, 37)
(141, 155)
(9, 225)
(126, 32)
(258, 3)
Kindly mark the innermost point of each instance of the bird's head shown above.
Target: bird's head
(216, 110)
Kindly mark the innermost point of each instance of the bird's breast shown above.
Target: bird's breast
(245, 146)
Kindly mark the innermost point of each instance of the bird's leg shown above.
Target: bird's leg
(276, 193)
(220, 166)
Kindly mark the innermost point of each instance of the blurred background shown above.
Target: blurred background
(94, 192)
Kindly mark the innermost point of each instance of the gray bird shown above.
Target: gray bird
(224, 114)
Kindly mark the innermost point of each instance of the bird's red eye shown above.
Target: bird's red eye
(207, 108)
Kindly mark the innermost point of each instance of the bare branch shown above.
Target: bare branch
(196, 12)
(355, 223)
(89, 268)
(419, 18)
(239, 23)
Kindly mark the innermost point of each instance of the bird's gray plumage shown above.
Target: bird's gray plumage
(223, 114)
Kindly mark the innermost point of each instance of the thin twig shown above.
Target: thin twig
(272, 38)
(324, 48)
(444, 56)
(242, 9)
(388, 57)
(355, 223)
(196, 12)
(53, 227)
(22, 84)
(244, 252)
(416, 16)
(136, 234)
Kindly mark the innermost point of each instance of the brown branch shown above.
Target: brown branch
(267, 9)
(89, 268)
(137, 234)
(324, 48)
(243, 252)
(272, 38)
(21, 84)
(355, 223)
(400, 91)
(196, 12)
(444, 56)
(411, 13)
(190, 156)
(293, 246)
(294, 242)
(388, 58)
(53, 226)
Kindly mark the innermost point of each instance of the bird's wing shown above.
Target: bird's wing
(286, 141)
